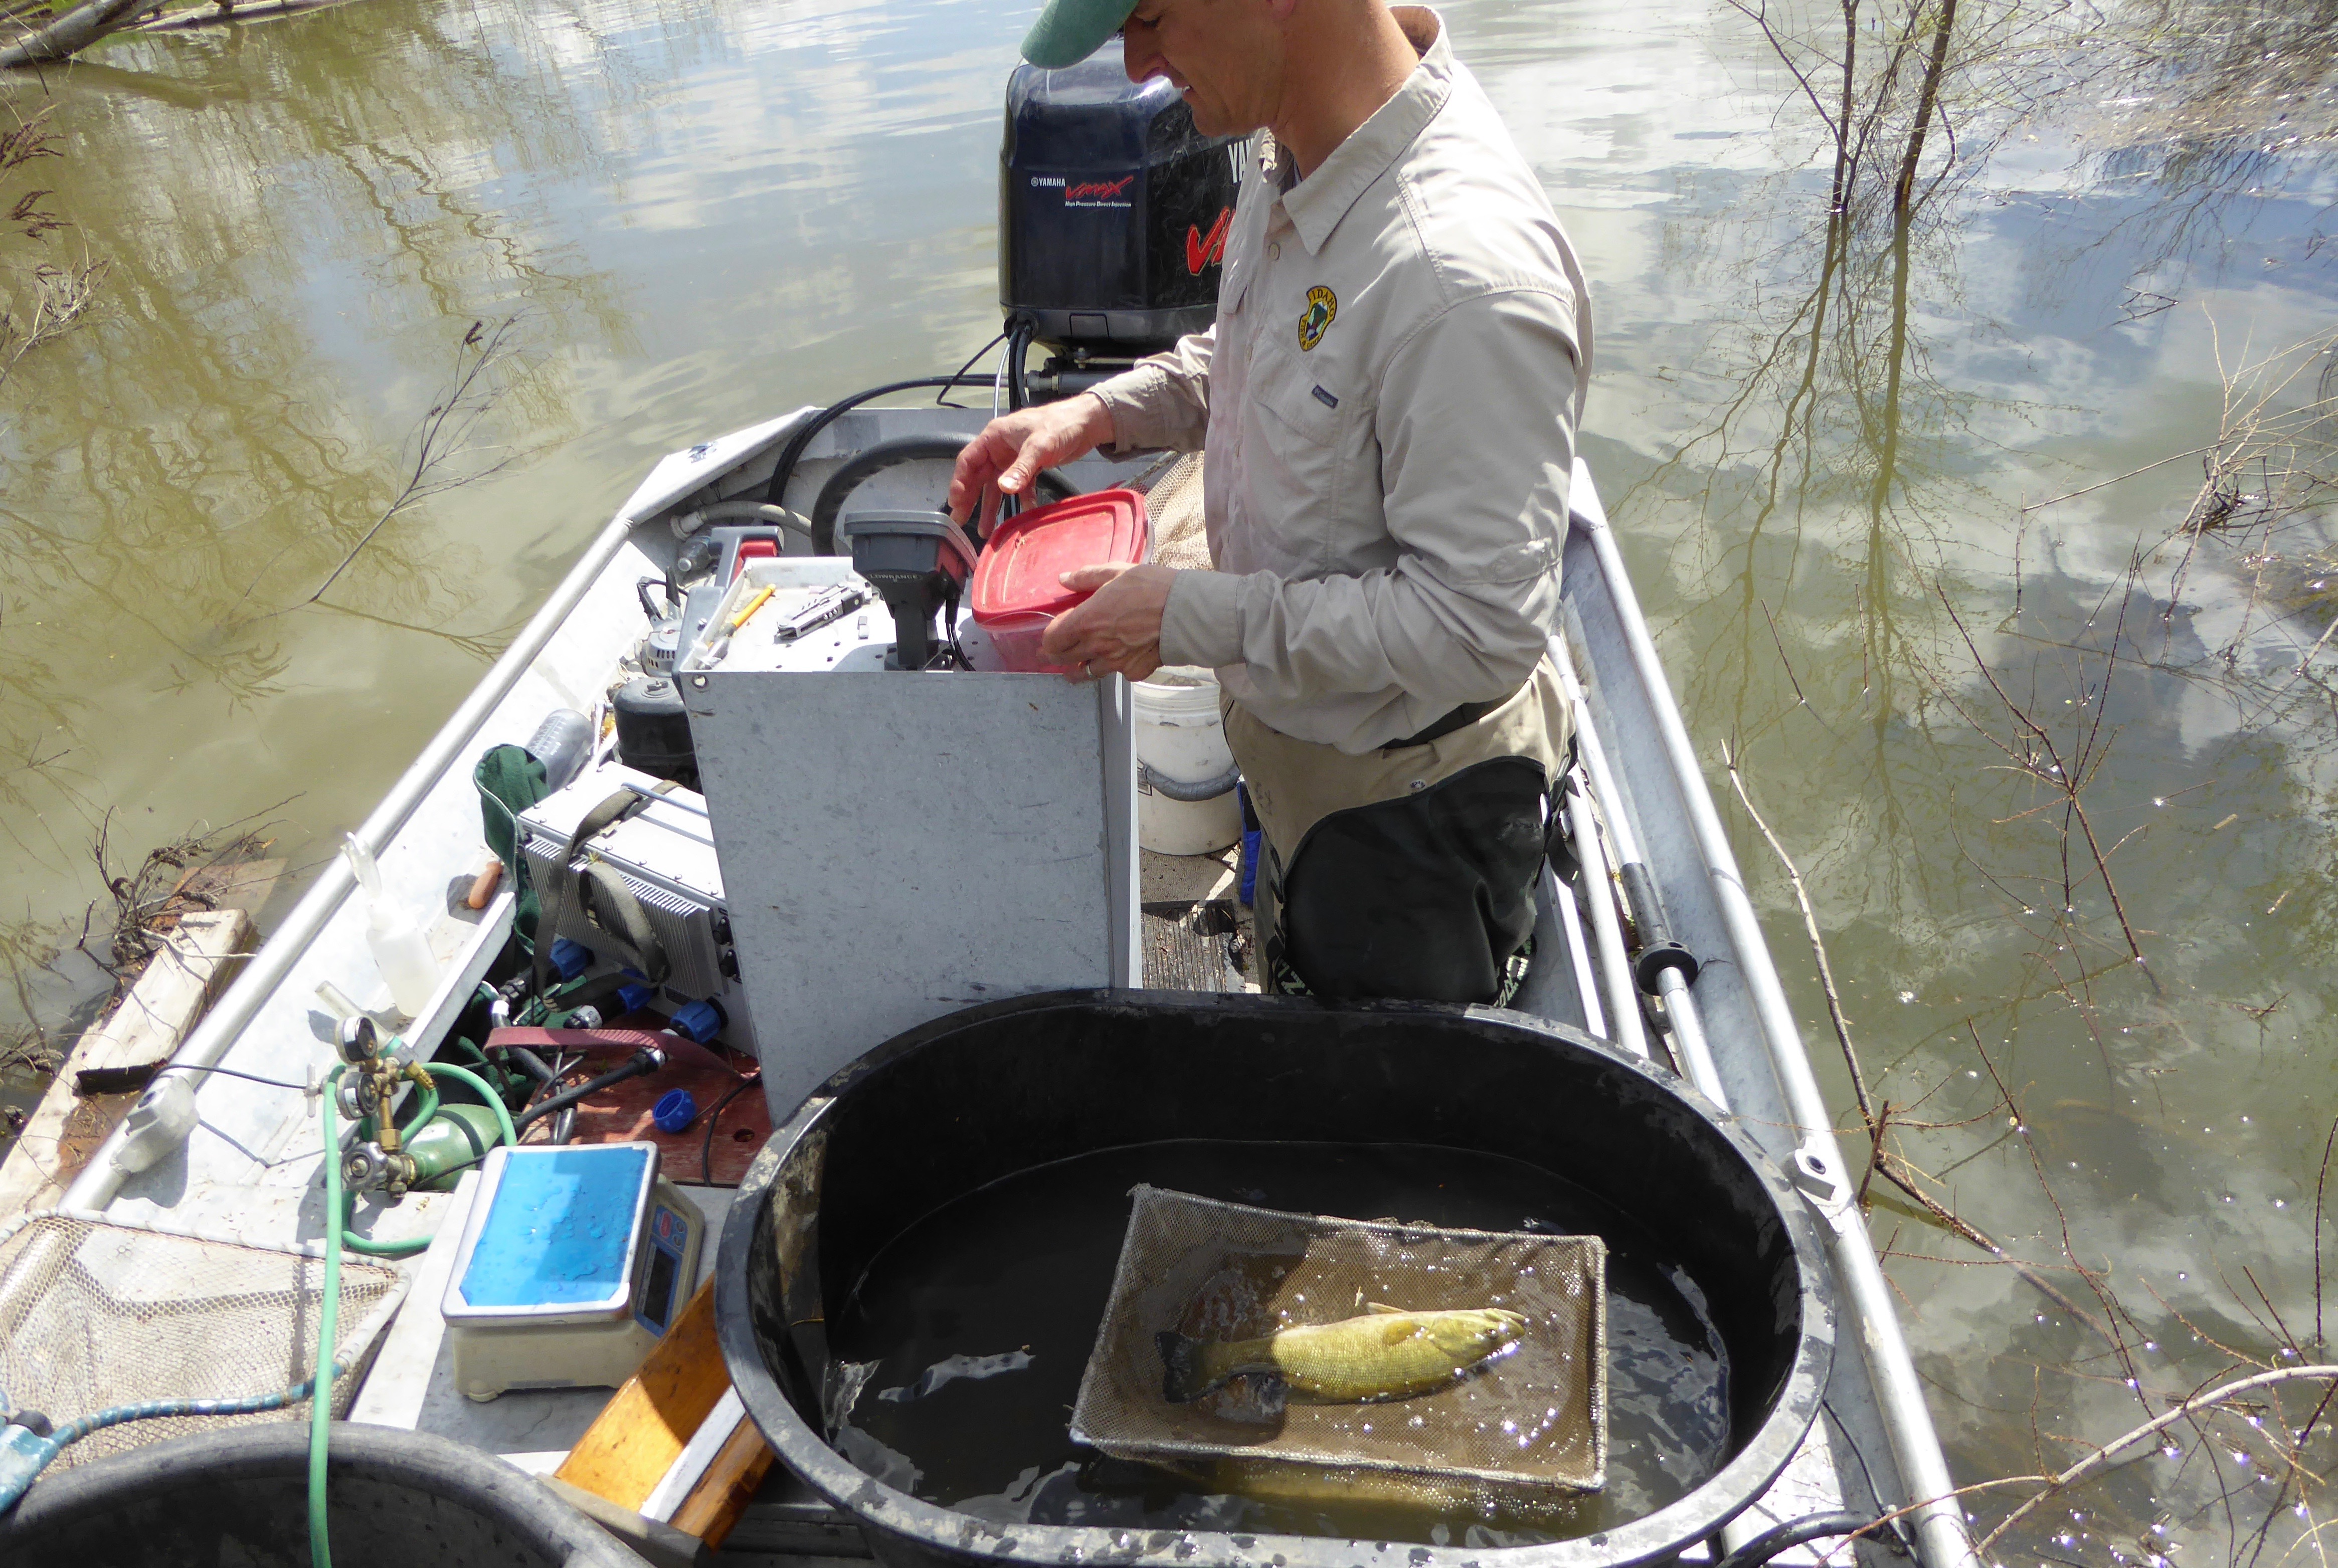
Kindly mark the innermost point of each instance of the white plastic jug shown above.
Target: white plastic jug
(1179, 739)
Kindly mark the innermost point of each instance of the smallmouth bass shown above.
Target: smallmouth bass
(1387, 1354)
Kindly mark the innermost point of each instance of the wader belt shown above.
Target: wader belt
(1467, 714)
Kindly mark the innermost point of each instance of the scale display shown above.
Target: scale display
(573, 1262)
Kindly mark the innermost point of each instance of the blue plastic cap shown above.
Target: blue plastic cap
(568, 958)
(634, 998)
(702, 1021)
(675, 1112)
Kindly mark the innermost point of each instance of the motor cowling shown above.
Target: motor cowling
(1114, 210)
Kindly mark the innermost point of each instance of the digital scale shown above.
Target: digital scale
(572, 1263)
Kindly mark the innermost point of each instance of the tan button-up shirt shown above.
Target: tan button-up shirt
(1389, 402)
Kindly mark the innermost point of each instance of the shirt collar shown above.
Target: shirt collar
(1317, 203)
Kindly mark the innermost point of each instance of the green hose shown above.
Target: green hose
(409, 1246)
(372, 1248)
(494, 1101)
(428, 1095)
(337, 1236)
(329, 1322)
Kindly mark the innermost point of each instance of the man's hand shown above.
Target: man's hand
(1118, 628)
(1007, 455)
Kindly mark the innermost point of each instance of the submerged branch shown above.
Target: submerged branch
(1818, 943)
(440, 437)
(2104, 1457)
(1881, 1161)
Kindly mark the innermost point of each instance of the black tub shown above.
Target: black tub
(398, 1500)
(996, 1089)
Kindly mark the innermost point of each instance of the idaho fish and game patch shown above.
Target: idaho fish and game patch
(1321, 305)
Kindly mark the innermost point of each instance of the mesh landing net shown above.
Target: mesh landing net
(1173, 514)
(1524, 1431)
(96, 1313)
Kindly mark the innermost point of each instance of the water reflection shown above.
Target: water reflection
(227, 428)
(698, 213)
(2007, 736)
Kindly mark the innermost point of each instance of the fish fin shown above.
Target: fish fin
(1394, 1332)
(1381, 1307)
(1181, 1371)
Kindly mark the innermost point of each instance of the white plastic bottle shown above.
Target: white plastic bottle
(399, 948)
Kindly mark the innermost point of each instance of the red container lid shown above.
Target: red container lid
(1021, 572)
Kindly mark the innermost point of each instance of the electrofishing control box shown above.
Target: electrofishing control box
(572, 1263)
(665, 852)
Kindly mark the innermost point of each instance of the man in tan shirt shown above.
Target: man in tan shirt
(1388, 402)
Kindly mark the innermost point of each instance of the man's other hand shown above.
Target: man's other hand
(1118, 627)
(1007, 457)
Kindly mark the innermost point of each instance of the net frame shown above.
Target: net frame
(1231, 1272)
(97, 1312)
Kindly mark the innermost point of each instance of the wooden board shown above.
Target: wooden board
(723, 1494)
(140, 1034)
(640, 1433)
(180, 980)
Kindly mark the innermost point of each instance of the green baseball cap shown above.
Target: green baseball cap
(1069, 31)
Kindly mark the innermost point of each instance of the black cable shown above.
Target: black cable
(962, 369)
(560, 1069)
(1793, 1532)
(533, 1066)
(1019, 334)
(231, 1072)
(706, 1150)
(1900, 1539)
(775, 492)
(641, 1064)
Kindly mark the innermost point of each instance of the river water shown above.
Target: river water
(1836, 423)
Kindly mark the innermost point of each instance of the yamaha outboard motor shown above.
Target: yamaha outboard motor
(1112, 217)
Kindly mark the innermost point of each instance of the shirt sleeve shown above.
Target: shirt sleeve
(1476, 429)
(1162, 403)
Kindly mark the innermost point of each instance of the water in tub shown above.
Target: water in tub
(968, 1334)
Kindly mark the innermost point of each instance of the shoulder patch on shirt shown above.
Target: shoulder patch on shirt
(1321, 305)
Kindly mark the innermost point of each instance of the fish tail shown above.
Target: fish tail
(1182, 1376)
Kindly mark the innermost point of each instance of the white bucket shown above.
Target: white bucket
(1179, 739)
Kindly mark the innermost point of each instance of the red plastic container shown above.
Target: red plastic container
(1017, 583)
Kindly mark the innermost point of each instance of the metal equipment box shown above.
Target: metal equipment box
(875, 881)
(666, 854)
